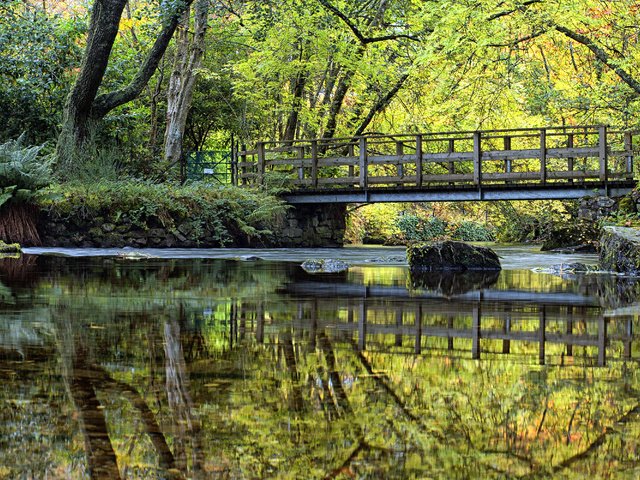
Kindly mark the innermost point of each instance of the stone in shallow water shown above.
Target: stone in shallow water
(451, 256)
(324, 266)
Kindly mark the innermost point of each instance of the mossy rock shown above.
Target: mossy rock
(449, 256)
(9, 247)
(620, 250)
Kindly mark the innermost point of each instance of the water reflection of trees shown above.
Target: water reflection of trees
(209, 375)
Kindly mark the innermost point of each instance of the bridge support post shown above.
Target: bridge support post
(364, 162)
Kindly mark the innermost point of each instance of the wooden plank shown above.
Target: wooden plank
(350, 153)
(450, 150)
(314, 163)
(261, 162)
(571, 159)
(300, 163)
(507, 147)
(447, 157)
(364, 162)
(543, 155)
(602, 153)
(419, 160)
(477, 159)
(628, 152)
(535, 153)
(400, 165)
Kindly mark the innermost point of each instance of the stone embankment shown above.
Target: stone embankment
(302, 226)
(620, 250)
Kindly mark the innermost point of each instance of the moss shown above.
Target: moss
(620, 250)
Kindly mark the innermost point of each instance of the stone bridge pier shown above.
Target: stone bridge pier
(313, 225)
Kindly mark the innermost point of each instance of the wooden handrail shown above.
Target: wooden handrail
(558, 154)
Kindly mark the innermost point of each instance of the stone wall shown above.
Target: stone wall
(313, 225)
(301, 226)
(595, 208)
(620, 250)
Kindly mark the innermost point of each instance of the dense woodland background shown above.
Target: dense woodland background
(124, 89)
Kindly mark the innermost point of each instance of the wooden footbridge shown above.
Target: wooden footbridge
(510, 164)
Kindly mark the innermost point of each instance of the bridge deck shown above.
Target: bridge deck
(514, 164)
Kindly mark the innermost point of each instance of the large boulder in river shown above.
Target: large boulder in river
(451, 256)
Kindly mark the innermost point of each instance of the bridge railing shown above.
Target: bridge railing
(581, 154)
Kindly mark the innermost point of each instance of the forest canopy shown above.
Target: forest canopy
(285, 69)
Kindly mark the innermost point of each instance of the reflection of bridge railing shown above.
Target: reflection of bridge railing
(471, 327)
(571, 158)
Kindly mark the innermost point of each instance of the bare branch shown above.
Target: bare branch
(601, 55)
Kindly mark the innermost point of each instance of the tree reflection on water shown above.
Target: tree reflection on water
(218, 369)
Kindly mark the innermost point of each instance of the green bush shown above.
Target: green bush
(225, 210)
(22, 171)
(416, 229)
(472, 232)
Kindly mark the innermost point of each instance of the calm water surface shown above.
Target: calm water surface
(207, 364)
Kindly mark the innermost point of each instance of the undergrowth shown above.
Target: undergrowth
(224, 211)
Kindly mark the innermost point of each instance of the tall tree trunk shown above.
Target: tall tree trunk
(188, 57)
(292, 122)
(84, 107)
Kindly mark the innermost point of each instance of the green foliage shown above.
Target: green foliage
(23, 171)
(225, 211)
(417, 229)
(472, 232)
(37, 52)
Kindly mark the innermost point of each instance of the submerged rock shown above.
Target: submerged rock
(449, 256)
(324, 266)
(620, 250)
(576, 267)
(134, 255)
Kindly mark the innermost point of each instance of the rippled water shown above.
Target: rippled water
(196, 364)
(512, 257)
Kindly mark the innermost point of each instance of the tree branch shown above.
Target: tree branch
(504, 13)
(526, 38)
(601, 55)
(365, 40)
(103, 104)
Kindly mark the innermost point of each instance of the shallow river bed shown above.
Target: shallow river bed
(212, 364)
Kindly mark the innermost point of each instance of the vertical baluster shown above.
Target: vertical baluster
(628, 151)
(314, 163)
(364, 163)
(261, 162)
(602, 154)
(419, 160)
(570, 160)
(400, 165)
(477, 160)
(543, 155)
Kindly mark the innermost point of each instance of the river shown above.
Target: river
(233, 364)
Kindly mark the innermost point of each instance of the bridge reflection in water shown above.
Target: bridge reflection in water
(555, 327)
